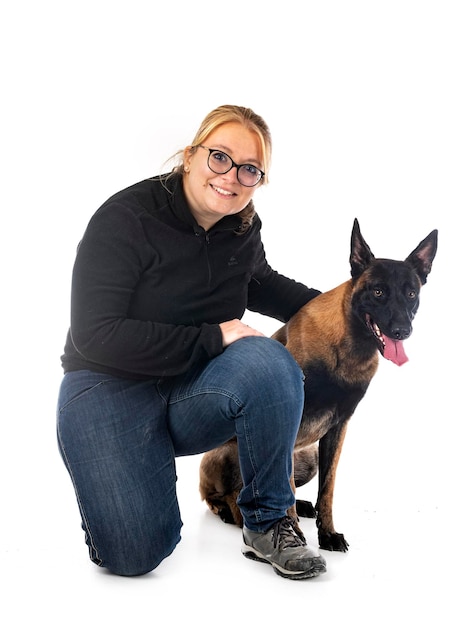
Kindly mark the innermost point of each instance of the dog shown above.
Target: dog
(336, 338)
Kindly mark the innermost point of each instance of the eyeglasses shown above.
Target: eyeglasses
(220, 163)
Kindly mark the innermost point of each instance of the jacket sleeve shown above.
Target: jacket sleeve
(273, 294)
(107, 269)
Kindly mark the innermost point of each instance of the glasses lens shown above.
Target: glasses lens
(248, 175)
(219, 162)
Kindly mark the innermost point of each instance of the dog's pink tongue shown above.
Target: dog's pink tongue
(394, 351)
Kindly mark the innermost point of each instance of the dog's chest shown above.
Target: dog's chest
(314, 426)
(327, 403)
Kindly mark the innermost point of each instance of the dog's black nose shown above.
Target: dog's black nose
(400, 333)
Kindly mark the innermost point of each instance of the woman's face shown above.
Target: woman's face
(212, 196)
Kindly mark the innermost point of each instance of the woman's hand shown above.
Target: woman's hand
(235, 329)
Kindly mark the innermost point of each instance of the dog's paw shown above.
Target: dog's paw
(305, 509)
(334, 542)
(226, 516)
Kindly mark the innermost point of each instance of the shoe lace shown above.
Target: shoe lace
(287, 534)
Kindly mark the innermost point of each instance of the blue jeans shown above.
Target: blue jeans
(119, 438)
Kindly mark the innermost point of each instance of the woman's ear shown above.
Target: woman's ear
(187, 154)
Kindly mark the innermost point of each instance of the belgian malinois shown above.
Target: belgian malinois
(336, 338)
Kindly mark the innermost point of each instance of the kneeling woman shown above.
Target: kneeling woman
(158, 364)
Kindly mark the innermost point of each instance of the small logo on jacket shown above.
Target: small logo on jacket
(232, 261)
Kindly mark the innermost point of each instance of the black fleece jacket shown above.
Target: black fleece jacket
(150, 286)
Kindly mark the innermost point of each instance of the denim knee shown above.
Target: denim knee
(140, 556)
(268, 367)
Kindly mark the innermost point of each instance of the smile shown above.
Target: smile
(221, 191)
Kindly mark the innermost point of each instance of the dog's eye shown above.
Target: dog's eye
(411, 294)
(378, 293)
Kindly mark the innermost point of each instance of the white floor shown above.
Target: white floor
(403, 502)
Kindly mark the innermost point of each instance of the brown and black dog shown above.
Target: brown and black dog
(336, 339)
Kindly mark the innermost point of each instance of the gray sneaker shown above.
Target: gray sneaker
(285, 548)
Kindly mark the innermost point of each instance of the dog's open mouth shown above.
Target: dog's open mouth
(390, 349)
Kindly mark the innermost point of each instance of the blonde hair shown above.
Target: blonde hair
(243, 115)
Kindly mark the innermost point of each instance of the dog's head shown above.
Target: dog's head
(386, 292)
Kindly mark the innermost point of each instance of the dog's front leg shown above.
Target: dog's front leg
(329, 454)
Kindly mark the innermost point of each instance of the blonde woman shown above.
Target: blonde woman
(157, 363)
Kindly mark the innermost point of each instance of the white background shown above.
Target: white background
(371, 105)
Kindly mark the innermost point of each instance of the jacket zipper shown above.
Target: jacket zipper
(206, 239)
(207, 258)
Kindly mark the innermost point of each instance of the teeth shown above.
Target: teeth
(375, 328)
(378, 333)
(223, 191)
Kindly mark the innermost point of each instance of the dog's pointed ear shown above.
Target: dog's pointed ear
(421, 258)
(361, 255)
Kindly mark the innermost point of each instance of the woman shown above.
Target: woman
(158, 364)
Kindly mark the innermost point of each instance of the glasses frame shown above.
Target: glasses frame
(233, 164)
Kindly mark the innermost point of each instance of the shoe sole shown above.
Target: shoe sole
(251, 553)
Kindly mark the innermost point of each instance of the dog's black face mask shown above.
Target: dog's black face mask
(387, 297)
(386, 304)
